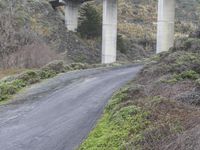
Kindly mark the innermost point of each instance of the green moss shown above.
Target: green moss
(117, 99)
(155, 58)
(156, 100)
(30, 77)
(170, 81)
(78, 66)
(187, 57)
(190, 74)
(117, 129)
(9, 88)
(45, 74)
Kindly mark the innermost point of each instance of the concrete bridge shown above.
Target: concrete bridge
(165, 24)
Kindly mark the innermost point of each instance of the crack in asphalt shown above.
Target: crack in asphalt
(59, 113)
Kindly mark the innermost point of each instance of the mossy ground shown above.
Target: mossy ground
(130, 122)
(117, 126)
(154, 109)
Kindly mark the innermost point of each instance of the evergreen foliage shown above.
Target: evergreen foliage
(90, 22)
(120, 44)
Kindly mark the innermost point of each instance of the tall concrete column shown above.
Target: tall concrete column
(165, 26)
(109, 37)
(61, 1)
(71, 15)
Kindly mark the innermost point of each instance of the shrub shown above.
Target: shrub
(56, 66)
(9, 88)
(45, 74)
(90, 24)
(187, 75)
(29, 77)
(78, 66)
(120, 44)
(11, 85)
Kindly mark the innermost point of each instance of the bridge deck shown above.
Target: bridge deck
(57, 3)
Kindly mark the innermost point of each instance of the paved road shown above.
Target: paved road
(58, 114)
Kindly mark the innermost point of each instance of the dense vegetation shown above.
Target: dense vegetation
(137, 25)
(10, 85)
(158, 108)
(33, 33)
(90, 22)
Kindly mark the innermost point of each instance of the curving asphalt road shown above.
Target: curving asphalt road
(58, 114)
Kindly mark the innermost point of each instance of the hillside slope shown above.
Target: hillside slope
(33, 33)
(160, 110)
(137, 24)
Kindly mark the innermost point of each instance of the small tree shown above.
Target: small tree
(120, 44)
(90, 24)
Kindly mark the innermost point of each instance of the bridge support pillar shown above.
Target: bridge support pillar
(165, 25)
(71, 15)
(109, 37)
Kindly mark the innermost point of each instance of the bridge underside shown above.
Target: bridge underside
(74, 1)
(56, 3)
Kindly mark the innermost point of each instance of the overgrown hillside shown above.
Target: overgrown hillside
(33, 33)
(137, 24)
(160, 109)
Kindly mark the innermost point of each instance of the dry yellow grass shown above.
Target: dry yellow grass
(7, 72)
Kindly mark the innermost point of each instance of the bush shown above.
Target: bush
(78, 66)
(9, 88)
(192, 75)
(56, 66)
(30, 77)
(11, 85)
(120, 44)
(90, 24)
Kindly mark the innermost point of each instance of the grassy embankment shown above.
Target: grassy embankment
(12, 84)
(157, 107)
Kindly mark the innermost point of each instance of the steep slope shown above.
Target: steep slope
(33, 33)
(160, 110)
(137, 24)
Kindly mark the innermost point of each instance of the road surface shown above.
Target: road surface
(58, 114)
